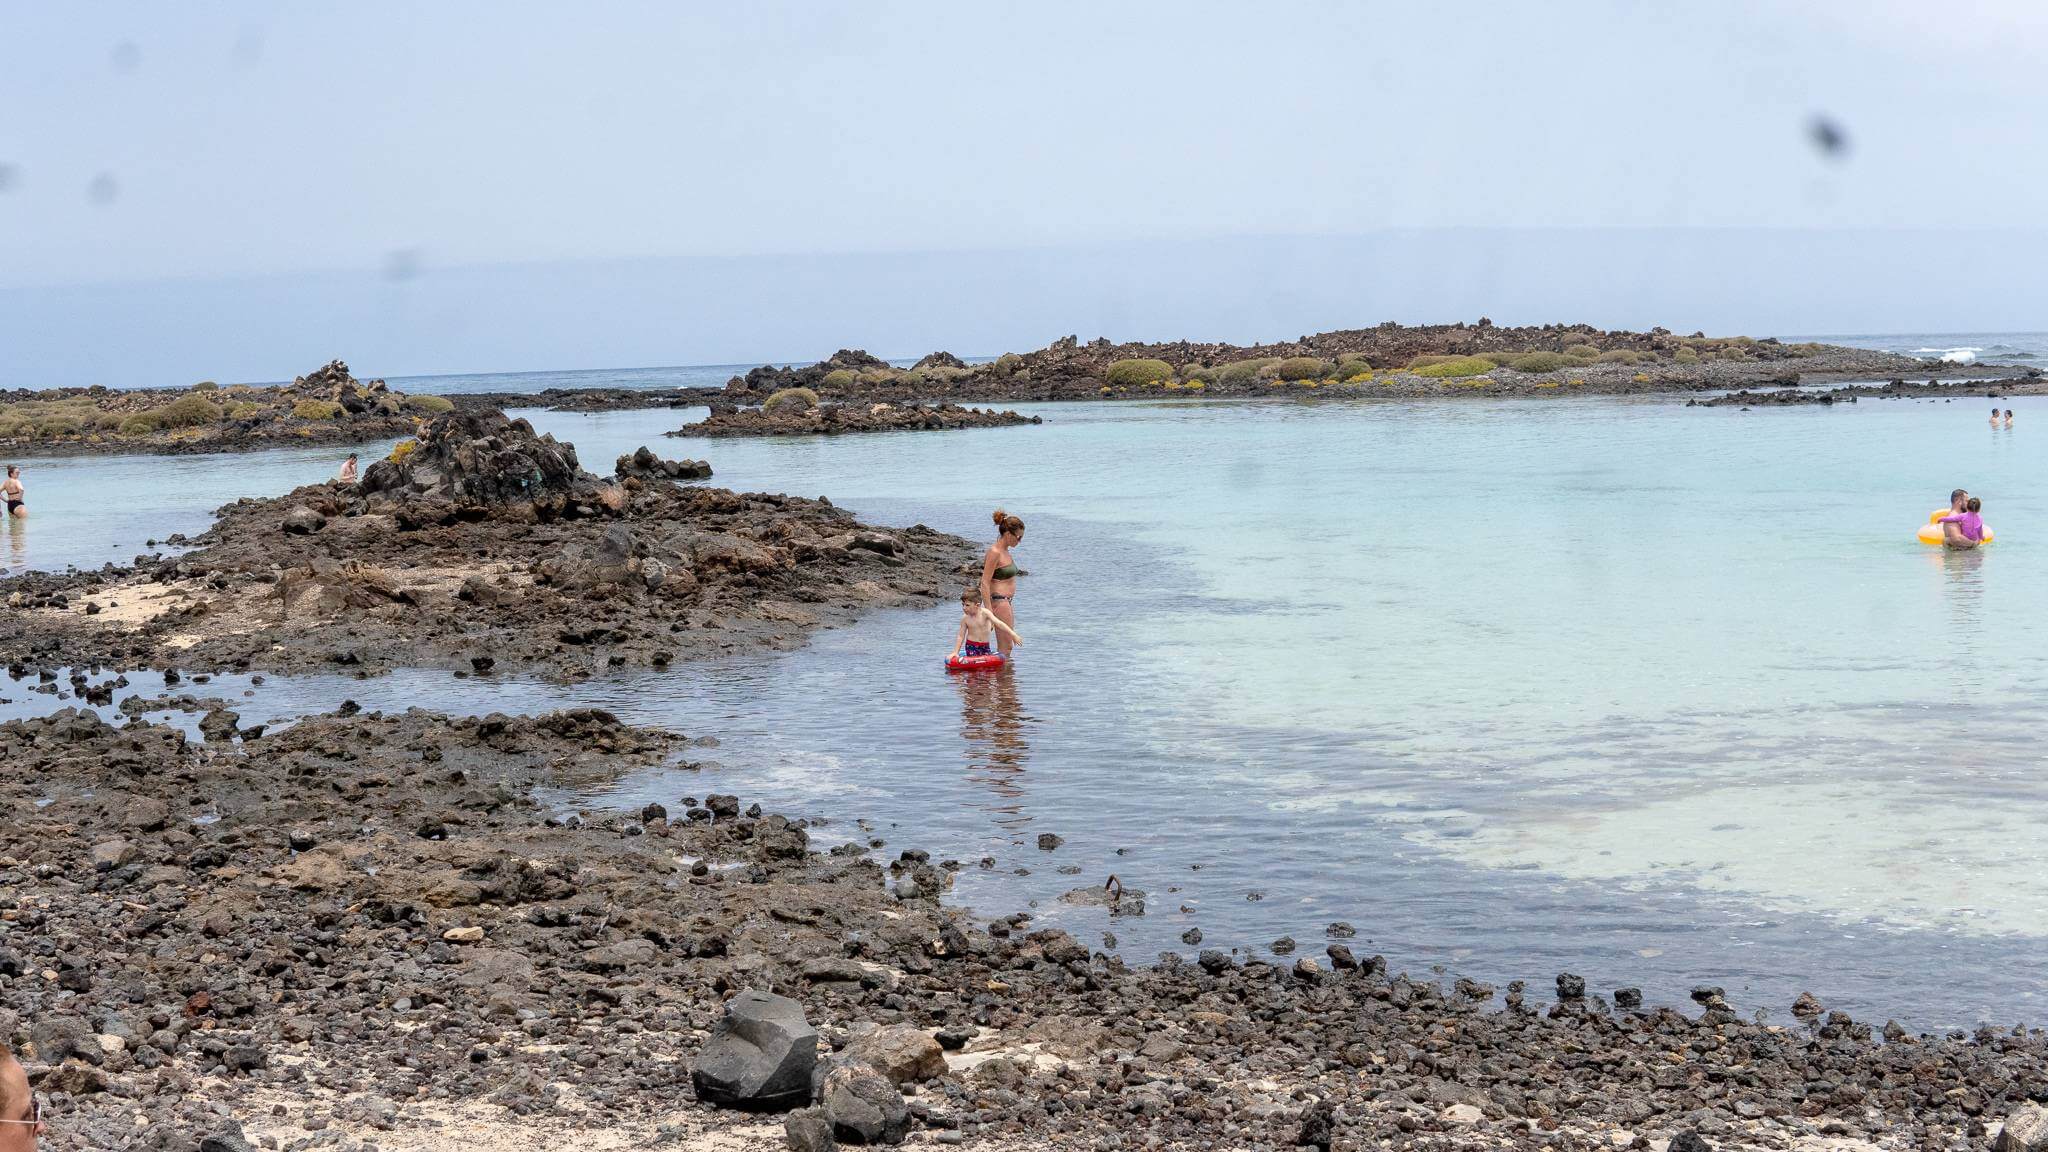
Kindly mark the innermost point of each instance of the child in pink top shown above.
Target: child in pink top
(1964, 529)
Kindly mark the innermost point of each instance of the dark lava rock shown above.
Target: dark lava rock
(1213, 962)
(1284, 946)
(1689, 1142)
(761, 1055)
(1317, 1126)
(1191, 937)
(1047, 841)
(1570, 987)
(1341, 957)
(303, 521)
(1339, 930)
(808, 1130)
(1629, 998)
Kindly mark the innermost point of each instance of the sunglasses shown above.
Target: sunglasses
(35, 1114)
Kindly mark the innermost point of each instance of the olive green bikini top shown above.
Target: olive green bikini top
(1006, 572)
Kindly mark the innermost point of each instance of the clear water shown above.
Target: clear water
(1654, 694)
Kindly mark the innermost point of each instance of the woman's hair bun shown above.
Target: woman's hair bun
(1001, 516)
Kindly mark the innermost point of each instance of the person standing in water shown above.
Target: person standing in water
(999, 574)
(2008, 417)
(11, 491)
(347, 475)
(1994, 415)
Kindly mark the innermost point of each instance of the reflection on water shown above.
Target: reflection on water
(17, 543)
(992, 733)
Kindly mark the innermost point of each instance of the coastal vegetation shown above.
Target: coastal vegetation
(791, 400)
(1138, 373)
(1456, 367)
(325, 405)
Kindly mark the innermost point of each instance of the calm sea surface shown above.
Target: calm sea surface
(1658, 695)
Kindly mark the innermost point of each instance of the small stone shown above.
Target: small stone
(1284, 946)
(1048, 841)
(1339, 930)
(1191, 937)
(1628, 998)
(111, 854)
(1689, 1142)
(467, 934)
(1341, 957)
(808, 1130)
(1570, 987)
(1461, 1115)
(2025, 1130)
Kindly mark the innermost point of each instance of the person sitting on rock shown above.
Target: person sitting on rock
(347, 475)
(976, 625)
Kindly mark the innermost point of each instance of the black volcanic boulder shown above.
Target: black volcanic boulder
(761, 1056)
(479, 459)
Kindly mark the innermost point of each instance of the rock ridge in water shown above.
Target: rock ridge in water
(484, 547)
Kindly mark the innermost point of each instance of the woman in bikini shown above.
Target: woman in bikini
(10, 490)
(999, 574)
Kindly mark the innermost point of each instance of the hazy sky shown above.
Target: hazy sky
(210, 145)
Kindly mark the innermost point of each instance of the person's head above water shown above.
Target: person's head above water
(1010, 527)
(1956, 498)
(1973, 505)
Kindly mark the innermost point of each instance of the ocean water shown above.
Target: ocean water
(2028, 349)
(1657, 695)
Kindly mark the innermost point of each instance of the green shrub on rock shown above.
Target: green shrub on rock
(140, 424)
(425, 402)
(1007, 363)
(1138, 373)
(1240, 373)
(1301, 368)
(1686, 356)
(1618, 356)
(839, 380)
(206, 386)
(317, 410)
(1582, 352)
(1539, 362)
(791, 400)
(1456, 368)
(189, 411)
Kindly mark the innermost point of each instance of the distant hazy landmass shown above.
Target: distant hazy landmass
(411, 317)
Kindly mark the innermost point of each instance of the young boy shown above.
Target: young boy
(973, 636)
(1964, 529)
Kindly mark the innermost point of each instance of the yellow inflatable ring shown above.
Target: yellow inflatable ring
(1930, 532)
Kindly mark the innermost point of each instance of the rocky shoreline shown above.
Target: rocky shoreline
(483, 547)
(371, 929)
(838, 419)
(1892, 390)
(589, 399)
(1390, 361)
(325, 406)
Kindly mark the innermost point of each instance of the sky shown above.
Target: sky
(245, 190)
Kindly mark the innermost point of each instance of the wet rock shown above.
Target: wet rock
(760, 1056)
(1214, 962)
(303, 521)
(863, 1106)
(1339, 930)
(1570, 987)
(644, 464)
(1048, 841)
(1341, 957)
(1191, 937)
(1628, 998)
(1806, 1007)
(1284, 946)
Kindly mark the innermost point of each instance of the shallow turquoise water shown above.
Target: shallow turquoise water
(1656, 694)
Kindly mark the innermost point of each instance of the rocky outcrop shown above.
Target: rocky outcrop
(835, 419)
(643, 464)
(469, 462)
(1892, 390)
